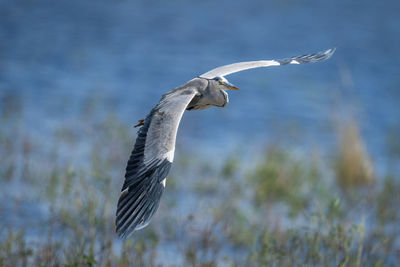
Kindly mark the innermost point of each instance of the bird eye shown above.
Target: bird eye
(220, 82)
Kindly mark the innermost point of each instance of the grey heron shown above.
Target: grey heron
(153, 152)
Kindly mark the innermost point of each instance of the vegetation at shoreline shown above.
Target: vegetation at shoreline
(59, 195)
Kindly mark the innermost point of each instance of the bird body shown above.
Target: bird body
(153, 152)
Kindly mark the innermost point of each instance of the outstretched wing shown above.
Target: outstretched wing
(150, 162)
(236, 67)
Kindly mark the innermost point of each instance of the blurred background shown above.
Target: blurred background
(302, 166)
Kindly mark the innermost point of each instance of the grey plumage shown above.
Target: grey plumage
(235, 67)
(153, 152)
(150, 163)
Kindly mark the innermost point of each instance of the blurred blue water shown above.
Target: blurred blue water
(56, 54)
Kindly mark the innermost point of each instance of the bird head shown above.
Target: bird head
(221, 83)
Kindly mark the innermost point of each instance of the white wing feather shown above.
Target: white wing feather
(236, 67)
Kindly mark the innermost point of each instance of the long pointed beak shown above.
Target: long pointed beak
(231, 87)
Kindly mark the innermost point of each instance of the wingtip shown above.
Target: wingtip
(329, 52)
(122, 235)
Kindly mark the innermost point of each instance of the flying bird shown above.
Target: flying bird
(153, 152)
